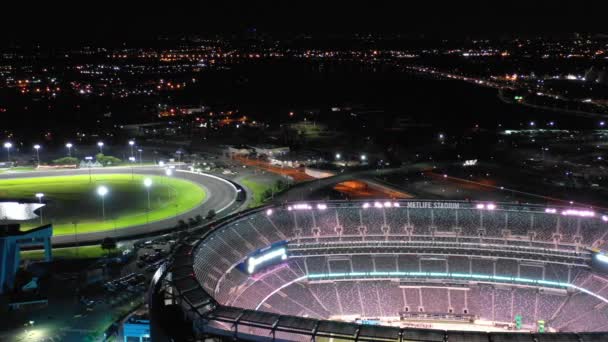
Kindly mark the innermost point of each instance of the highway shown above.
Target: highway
(221, 197)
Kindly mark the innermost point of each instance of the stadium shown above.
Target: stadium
(389, 271)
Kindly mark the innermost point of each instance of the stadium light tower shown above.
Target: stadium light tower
(37, 148)
(7, 146)
(132, 143)
(100, 144)
(102, 191)
(39, 196)
(69, 146)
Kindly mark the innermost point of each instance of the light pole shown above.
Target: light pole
(132, 160)
(89, 159)
(37, 148)
(131, 143)
(7, 146)
(69, 146)
(100, 144)
(140, 151)
(148, 184)
(168, 173)
(75, 223)
(39, 196)
(102, 191)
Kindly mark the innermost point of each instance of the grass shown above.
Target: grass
(83, 252)
(72, 202)
(257, 189)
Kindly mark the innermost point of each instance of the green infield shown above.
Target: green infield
(73, 203)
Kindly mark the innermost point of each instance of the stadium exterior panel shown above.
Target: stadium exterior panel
(389, 271)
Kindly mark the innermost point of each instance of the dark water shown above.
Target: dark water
(268, 90)
(271, 89)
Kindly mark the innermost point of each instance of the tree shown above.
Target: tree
(66, 161)
(210, 214)
(182, 225)
(198, 218)
(266, 194)
(280, 185)
(191, 222)
(107, 160)
(108, 244)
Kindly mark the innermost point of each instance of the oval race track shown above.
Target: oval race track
(220, 196)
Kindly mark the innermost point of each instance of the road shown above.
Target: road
(221, 196)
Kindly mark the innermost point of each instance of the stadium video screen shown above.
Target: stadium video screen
(265, 257)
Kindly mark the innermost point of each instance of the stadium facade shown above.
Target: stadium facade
(389, 271)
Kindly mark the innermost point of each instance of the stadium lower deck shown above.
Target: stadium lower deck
(418, 268)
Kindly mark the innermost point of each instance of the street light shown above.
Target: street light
(168, 173)
(363, 157)
(100, 144)
(131, 143)
(102, 191)
(7, 146)
(69, 146)
(140, 151)
(39, 196)
(89, 164)
(338, 156)
(148, 184)
(37, 148)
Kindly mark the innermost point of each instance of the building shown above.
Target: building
(270, 150)
(136, 329)
(11, 241)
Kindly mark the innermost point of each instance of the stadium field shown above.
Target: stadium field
(72, 201)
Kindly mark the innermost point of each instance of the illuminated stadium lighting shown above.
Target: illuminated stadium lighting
(551, 210)
(321, 206)
(604, 218)
(378, 205)
(602, 258)
(581, 213)
(253, 262)
(268, 212)
(491, 206)
(388, 204)
(366, 205)
(301, 206)
(480, 206)
(396, 204)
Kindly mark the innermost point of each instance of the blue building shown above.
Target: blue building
(11, 241)
(136, 329)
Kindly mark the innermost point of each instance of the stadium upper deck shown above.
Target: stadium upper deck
(449, 257)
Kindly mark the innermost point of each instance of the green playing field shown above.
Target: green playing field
(73, 199)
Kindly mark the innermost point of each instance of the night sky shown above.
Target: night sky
(56, 21)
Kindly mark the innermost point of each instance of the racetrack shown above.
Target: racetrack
(221, 196)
